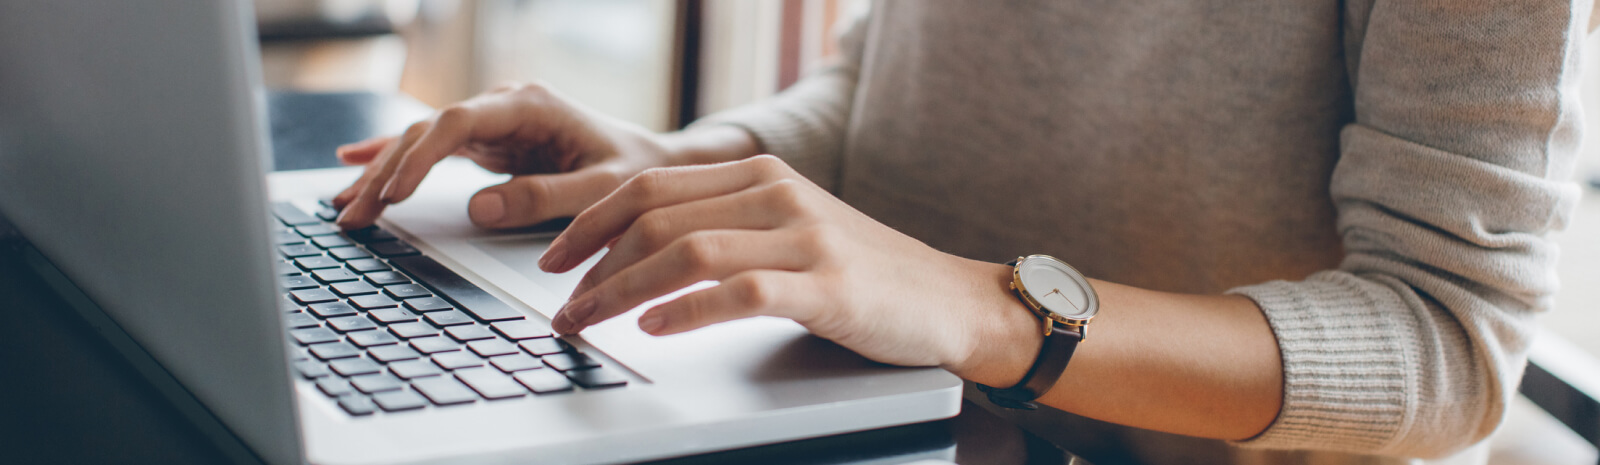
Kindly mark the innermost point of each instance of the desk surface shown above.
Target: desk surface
(70, 398)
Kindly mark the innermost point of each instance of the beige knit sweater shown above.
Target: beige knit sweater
(1380, 177)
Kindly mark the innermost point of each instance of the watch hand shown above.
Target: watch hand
(1057, 291)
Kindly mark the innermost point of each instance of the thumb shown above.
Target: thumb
(532, 199)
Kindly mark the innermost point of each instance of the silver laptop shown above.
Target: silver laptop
(132, 157)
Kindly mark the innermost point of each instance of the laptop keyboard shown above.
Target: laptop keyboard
(381, 327)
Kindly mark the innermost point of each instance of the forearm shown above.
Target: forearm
(709, 144)
(1196, 365)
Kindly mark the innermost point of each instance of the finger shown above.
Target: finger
(532, 199)
(360, 153)
(364, 207)
(485, 118)
(650, 190)
(752, 293)
(756, 208)
(704, 255)
(383, 161)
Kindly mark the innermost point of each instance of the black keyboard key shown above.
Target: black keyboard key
(385, 278)
(293, 283)
(334, 350)
(366, 265)
(348, 367)
(413, 369)
(452, 286)
(310, 336)
(313, 230)
(466, 333)
(285, 268)
(568, 361)
(369, 302)
(492, 347)
(334, 386)
(371, 234)
(345, 324)
(543, 381)
(525, 329)
(390, 316)
(449, 318)
(327, 214)
(394, 401)
(433, 345)
(412, 330)
(292, 215)
(392, 249)
(288, 306)
(457, 360)
(444, 391)
(329, 242)
(300, 320)
(357, 404)
(315, 263)
(406, 291)
(516, 362)
(427, 304)
(353, 288)
(327, 310)
(287, 237)
(376, 383)
(312, 296)
(349, 253)
(394, 353)
(543, 346)
(596, 378)
(299, 250)
(334, 275)
(491, 384)
(372, 338)
(311, 369)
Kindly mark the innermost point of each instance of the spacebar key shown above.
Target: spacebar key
(456, 288)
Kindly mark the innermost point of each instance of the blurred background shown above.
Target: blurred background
(657, 63)
(663, 63)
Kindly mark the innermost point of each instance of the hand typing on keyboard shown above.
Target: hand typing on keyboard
(780, 246)
(564, 157)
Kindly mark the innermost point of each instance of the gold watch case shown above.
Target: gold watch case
(1078, 321)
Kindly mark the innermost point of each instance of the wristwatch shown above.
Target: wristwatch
(1065, 302)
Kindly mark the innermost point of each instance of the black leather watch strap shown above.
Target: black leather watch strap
(1053, 357)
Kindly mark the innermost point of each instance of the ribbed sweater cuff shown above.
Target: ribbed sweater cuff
(1345, 366)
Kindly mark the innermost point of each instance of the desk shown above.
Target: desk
(70, 398)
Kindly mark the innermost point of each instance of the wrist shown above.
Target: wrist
(1004, 336)
(705, 145)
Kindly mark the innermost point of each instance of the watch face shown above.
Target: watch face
(1057, 287)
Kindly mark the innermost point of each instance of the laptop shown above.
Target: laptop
(133, 158)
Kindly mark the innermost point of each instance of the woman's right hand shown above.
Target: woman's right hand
(565, 158)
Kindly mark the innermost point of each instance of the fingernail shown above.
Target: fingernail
(652, 322)
(487, 208)
(578, 312)
(554, 256)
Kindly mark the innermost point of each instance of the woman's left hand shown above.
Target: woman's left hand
(780, 246)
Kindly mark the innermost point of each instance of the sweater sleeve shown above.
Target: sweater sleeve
(805, 124)
(1452, 175)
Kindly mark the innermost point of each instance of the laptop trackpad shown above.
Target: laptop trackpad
(521, 253)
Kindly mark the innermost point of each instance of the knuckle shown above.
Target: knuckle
(699, 251)
(534, 89)
(417, 129)
(452, 115)
(755, 292)
(817, 241)
(649, 182)
(653, 227)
